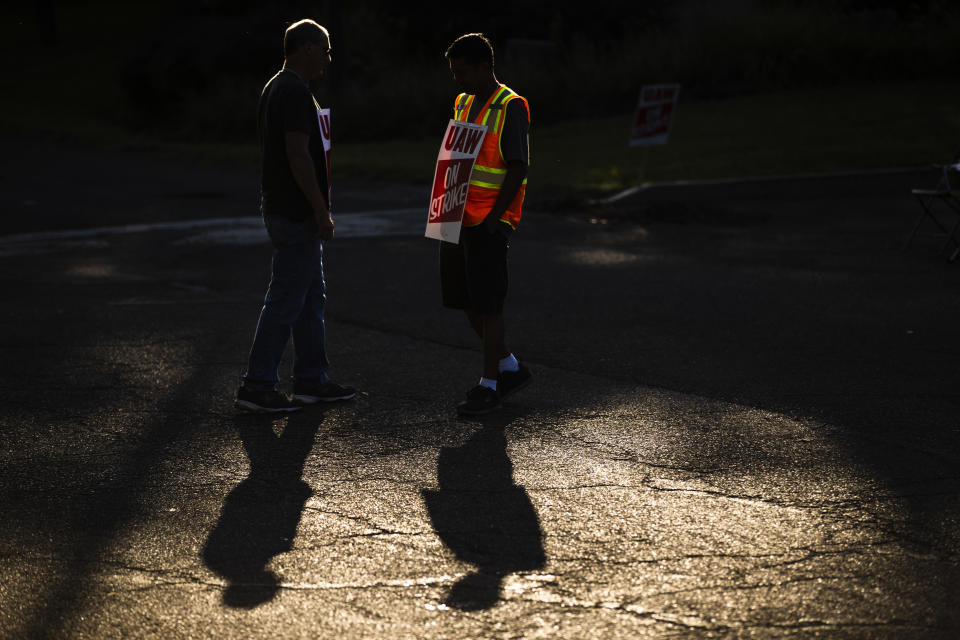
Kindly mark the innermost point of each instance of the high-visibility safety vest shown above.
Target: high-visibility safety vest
(490, 169)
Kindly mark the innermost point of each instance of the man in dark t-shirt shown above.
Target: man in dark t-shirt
(287, 105)
(296, 213)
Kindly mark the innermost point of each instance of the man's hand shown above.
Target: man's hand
(516, 172)
(324, 224)
(303, 170)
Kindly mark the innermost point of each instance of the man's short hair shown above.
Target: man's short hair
(472, 47)
(300, 33)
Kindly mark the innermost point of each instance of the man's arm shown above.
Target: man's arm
(512, 181)
(515, 147)
(301, 165)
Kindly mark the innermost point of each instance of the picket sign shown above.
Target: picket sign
(451, 179)
(324, 116)
(654, 116)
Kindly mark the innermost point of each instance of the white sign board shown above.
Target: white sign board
(654, 116)
(324, 116)
(451, 179)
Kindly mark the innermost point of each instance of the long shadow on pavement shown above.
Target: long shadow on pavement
(260, 516)
(483, 517)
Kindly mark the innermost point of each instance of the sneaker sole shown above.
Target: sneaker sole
(256, 408)
(519, 387)
(316, 399)
(482, 412)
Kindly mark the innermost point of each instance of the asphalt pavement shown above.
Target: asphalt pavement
(744, 422)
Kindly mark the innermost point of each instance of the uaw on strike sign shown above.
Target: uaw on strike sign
(654, 115)
(451, 179)
(324, 116)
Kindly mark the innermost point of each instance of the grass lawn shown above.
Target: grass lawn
(822, 130)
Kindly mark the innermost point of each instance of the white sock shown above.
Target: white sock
(488, 383)
(509, 363)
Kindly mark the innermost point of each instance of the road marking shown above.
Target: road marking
(647, 186)
(217, 231)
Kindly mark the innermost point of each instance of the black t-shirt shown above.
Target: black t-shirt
(286, 104)
(515, 137)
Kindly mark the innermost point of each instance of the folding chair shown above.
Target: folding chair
(949, 194)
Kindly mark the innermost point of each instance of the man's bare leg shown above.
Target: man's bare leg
(476, 322)
(490, 327)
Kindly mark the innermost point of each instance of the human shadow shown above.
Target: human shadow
(483, 517)
(260, 516)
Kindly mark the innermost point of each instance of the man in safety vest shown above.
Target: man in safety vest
(473, 273)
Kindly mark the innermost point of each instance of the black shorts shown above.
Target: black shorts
(473, 273)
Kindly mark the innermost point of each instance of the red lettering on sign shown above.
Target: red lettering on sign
(659, 94)
(450, 185)
(451, 135)
(460, 137)
(463, 139)
(325, 125)
(472, 139)
(653, 120)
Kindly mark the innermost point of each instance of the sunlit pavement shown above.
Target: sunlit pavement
(744, 423)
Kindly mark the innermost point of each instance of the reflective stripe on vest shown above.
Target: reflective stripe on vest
(490, 170)
(489, 177)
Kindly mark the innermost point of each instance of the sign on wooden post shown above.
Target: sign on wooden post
(654, 115)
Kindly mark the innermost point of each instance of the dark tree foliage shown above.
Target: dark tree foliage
(47, 22)
(200, 71)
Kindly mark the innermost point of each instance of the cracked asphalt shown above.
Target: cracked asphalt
(744, 423)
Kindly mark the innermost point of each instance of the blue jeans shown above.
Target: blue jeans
(294, 305)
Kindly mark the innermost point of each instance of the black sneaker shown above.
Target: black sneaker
(509, 382)
(480, 400)
(266, 401)
(312, 392)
